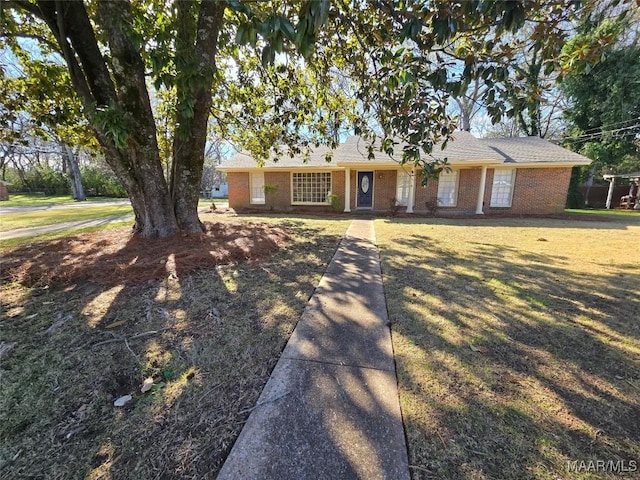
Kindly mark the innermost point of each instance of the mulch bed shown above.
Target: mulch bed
(112, 257)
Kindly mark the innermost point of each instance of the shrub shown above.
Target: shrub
(101, 182)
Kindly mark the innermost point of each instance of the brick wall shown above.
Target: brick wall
(425, 196)
(238, 189)
(487, 190)
(537, 190)
(384, 188)
(468, 186)
(279, 199)
(337, 188)
(354, 189)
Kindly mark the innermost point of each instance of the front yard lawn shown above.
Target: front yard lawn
(85, 320)
(12, 221)
(32, 199)
(517, 345)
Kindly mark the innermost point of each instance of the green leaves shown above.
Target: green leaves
(432, 169)
(275, 32)
(605, 110)
(514, 15)
(411, 29)
(114, 123)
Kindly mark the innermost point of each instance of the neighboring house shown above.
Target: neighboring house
(219, 190)
(497, 175)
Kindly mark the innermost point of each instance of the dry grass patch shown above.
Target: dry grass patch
(517, 344)
(208, 338)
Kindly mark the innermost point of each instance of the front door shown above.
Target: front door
(365, 189)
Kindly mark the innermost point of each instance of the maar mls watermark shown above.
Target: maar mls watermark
(602, 466)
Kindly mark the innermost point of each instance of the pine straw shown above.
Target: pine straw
(113, 257)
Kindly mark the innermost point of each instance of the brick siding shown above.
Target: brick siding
(280, 198)
(426, 197)
(239, 195)
(337, 188)
(536, 190)
(384, 189)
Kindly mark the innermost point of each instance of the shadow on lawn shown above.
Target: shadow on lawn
(332, 386)
(511, 364)
(209, 339)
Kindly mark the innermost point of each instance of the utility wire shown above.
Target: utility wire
(599, 135)
(596, 129)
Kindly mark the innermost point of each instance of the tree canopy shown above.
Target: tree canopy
(605, 103)
(274, 76)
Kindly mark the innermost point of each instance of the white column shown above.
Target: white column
(483, 181)
(612, 182)
(412, 192)
(347, 190)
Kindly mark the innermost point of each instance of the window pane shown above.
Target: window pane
(257, 188)
(447, 191)
(402, 190)
(311, 187)
(502, 189)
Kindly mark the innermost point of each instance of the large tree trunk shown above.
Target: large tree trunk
(115, 98)
(142, 173)
(196, 45)
(71, 159)
(145, 184)
(116, 101)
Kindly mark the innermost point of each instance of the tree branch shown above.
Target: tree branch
(40, 39)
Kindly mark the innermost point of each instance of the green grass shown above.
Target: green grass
(15, 242)
(604, 212)
(209, 340)
(12, 221)
(517, 344)
(25, 200)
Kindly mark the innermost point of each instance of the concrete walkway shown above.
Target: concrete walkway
(330, 409)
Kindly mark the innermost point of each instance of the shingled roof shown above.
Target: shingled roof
(316, 159)
(533, 150)
(463, 148)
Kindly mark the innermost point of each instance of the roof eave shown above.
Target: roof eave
(475, 163)
(550, 164)
(232, 169)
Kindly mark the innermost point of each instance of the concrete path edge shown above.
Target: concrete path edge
(330, 408)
